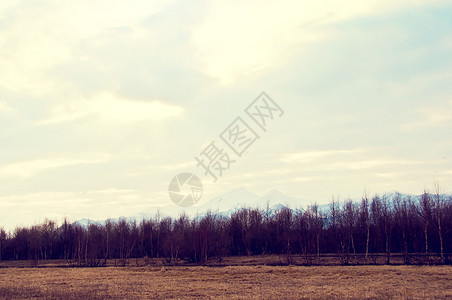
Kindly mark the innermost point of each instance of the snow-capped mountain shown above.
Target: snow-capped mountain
(224, 204)
(86, 222)
(276, 198)
(229, 202)
(232, 200)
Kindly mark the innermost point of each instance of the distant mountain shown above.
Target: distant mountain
(224, 204)
(229, 202)
(87, 222)
(276, 198)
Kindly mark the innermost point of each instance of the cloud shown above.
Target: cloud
(238, 39)
(309, 156)
(36, 38)
(5, 108)
(180, 166)
(366, 164)
(108, 107)
(307, 178)
(342, 160)
(33, 208)
(7, 5)
(447, 172)
(348, 72)
(389, 175)
(30, 168)
(432, 116)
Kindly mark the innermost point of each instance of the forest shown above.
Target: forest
(379, 224)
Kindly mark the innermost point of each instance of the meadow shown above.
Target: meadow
(227, 282)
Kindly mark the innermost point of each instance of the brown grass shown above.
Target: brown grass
(255, 260)
(235, 282)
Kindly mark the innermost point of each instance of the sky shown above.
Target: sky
(103, 103)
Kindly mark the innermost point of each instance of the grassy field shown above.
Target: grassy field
(232, 282)
(253, 260)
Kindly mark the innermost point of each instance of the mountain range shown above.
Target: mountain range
(224, 204)
(228, 203)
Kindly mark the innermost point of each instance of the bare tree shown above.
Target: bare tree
(383, 225)
(401, 215)
(2, 240)
(108, 233)
(316, 222)
(366, 220)
(426, 214)
(285, 224)
(349, 214)
(439, 207)
(334, 219)
(387, 218)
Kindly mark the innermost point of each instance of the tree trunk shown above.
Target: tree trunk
(353, 242)
(426, 236)
(388, 245)
(318, 244)
(405, 246)
(440, 239)
(108, 248)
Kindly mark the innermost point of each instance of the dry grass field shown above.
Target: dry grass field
(231, 282)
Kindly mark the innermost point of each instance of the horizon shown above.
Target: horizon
(151, 212)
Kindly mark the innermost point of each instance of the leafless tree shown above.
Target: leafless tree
(401, 215)
(366, 219)
(426, 214)
(2, 239)
(439, 207)
(389, 224)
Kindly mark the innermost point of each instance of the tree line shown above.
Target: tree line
(380, 224)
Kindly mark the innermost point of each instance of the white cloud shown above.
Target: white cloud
(447, 172)
(307, 178)
(388, 175)
(309, 156)
(237, 39)
(30, 168)
(180, 166)
(363, 164)
(52, 52)
(33, 208)
(440, 115)
(37, 37)
(5, 108)
(108, 107)
(342, 160)
(6, 5)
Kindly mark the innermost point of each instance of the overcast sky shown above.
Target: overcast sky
(103, 102)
